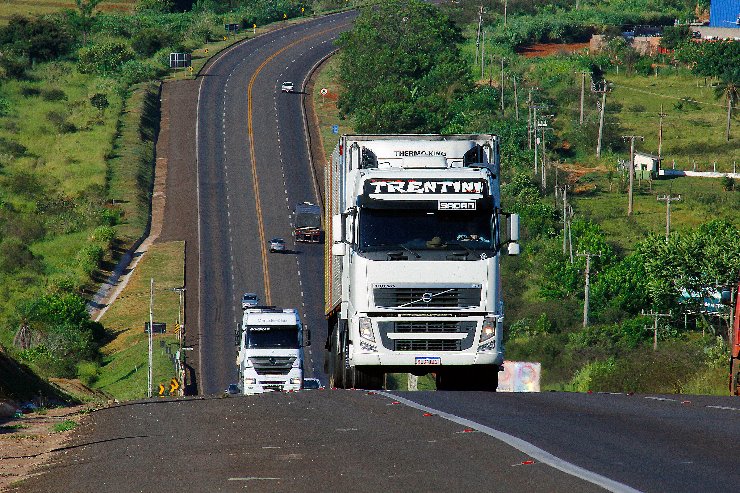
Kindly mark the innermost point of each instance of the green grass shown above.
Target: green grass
(691, 132)
(29, 8)
(69, 162)
(326, 106)
(65, 425)
(124, 372)
(702, 199)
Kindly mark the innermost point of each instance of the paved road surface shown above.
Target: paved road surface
(253, 167)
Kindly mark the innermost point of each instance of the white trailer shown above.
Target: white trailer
(413, 280)
(271, 342)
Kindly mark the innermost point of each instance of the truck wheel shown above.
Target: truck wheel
(446, 379)
(485, 378)
(368, 378)
(337, 361)
(348, 373)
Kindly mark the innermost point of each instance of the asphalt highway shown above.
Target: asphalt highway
(253, 167)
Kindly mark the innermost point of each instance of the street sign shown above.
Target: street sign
(324, 91)
(174, 385)
(161, 389)
(159, 327)
(335, 129)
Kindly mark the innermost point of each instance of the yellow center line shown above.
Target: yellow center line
(255, 179)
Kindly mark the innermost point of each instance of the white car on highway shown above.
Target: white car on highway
(277, 245)
(287, 87)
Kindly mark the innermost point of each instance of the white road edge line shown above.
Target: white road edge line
(523, 446)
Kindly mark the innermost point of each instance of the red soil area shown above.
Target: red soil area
(545, 49)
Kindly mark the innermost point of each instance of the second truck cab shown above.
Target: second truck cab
(271, 342)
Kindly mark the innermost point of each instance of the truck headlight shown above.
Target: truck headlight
(250, 381)
(489, 329)
(295, 381)
(366, 329)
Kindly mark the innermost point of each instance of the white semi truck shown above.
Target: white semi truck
(271, 342)
(413, 279)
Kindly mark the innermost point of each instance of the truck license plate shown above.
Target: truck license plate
(428, 360)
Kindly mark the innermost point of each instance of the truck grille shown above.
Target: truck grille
(272, 365)
(425, 298)
(430, 326)
(394, 329)
(427, 345)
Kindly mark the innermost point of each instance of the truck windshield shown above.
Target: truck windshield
(416, 229)
(304, 220)
(273, 336)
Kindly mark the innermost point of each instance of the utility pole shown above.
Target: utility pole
(583, 90)
(564, 191)
(655, 316)
(529, 118)
(516, 101)
(660, 131)
(632, 168)
(151, 330)
(482, 57)
(588, 256)
(477, 36)
(502, 85)
(668, 199)
(602, 109)
(542, 128)
(506, 7)
(534, 125)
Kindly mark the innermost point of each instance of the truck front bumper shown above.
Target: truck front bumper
(430, 359)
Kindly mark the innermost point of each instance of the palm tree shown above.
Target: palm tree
(729, 88)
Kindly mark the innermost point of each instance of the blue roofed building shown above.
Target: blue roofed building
(724, 13)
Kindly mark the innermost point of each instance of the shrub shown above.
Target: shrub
(15, 255)
(89, 258)
(150, 40)
(4, 106)
(88, 372)
(135, 71)
(54, 95)
(105, 58)
(105, 235)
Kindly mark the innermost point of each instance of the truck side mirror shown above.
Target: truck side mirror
(514, 248)
(238, 334)
(306, 338)
(337, 235)
(338, 249)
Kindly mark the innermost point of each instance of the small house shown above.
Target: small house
(646, 165)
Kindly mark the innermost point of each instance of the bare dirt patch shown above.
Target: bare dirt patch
(26, 441)
(547, 49)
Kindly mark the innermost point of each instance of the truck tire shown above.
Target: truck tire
(369, 378)
(485, 378)
(337, 360)
(348, 373)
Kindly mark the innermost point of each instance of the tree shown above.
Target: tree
(82, 19)
(401, 68)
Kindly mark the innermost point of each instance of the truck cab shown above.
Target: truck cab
(271, 342)
(307, 220)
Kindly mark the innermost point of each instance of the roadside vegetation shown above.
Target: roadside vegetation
(429, 77)
(79, 116)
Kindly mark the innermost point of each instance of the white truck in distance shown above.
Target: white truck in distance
(271, 342)
(413, 279)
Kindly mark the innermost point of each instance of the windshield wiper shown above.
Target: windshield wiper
(470, 252)
(404, 247)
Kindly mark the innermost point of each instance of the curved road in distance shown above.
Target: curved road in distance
(253, 167)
